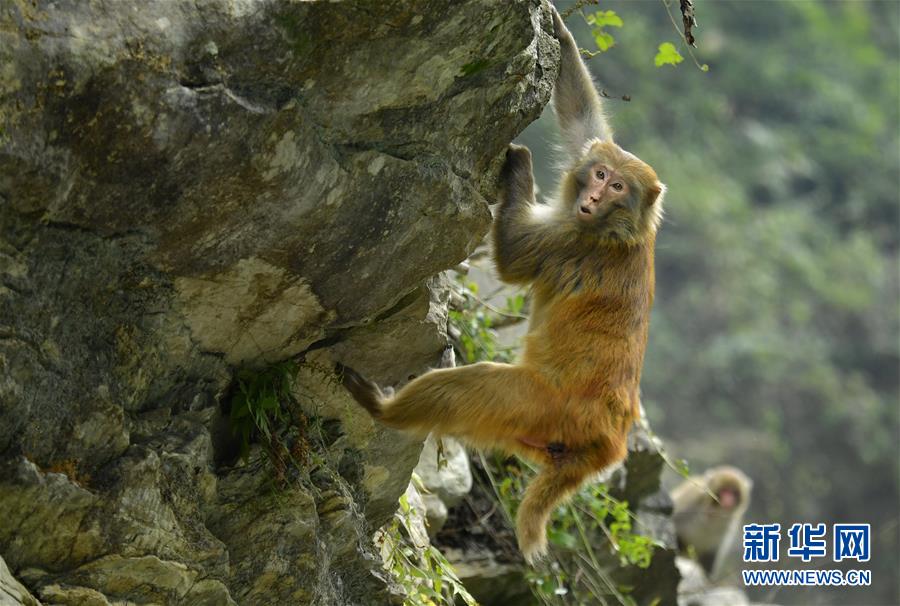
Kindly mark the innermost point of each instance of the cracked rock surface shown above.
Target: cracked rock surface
(188, 188)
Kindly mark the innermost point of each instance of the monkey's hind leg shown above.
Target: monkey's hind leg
(487, 404)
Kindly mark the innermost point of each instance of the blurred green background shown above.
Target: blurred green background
(774, 342)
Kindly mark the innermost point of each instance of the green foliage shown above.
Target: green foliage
(473, 320)
(261, 403)
(604, 18)
(424, 573)
(667, 55)
(632, 548)
(515, 304)
(476, 337)
(598, 21)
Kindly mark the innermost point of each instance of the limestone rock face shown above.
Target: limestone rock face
(446, 475)
(11, 591)
(192, 187)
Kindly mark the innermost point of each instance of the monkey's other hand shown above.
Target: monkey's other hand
(516, 180)
(517, 166)
(364, 391)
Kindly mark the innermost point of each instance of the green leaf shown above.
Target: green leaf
(268, 402)
(515, 304)
(603, 40)
(667, 55)
(604, 18)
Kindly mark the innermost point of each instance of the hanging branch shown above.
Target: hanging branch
(688, 36)
(687, 16)
(577, 7)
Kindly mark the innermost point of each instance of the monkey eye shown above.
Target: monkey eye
(601, 175)
(618, 186)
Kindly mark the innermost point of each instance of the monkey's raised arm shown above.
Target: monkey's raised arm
(517, 232)
(577, 104)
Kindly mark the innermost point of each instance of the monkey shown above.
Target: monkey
(708, 514)
(570, 401)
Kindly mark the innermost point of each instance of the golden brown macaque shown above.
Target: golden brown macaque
(569, 403)
(708, 514)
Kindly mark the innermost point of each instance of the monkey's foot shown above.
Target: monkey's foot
(364, 391)
(448, 358)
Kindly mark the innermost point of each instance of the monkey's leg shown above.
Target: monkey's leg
(487, 404)
(545, 491)
(557, 481)
(518, 230)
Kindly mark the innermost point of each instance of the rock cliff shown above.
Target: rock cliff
(189, 189)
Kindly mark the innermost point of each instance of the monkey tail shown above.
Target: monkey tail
(551, 486)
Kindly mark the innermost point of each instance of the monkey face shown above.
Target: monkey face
(731, 488)
(605, 190)
(616, 194)
(728, 497)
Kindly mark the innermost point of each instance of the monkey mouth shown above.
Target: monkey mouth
(584, 212)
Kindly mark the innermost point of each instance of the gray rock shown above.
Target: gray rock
(450, 478)
(695, 588)
(447, 478)
(12, 592)
(436, 512)
(493, 583)
(693, 577)
(188, 188)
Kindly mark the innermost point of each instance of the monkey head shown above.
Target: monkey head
(708, 511)
(613, 194)
(731, 488)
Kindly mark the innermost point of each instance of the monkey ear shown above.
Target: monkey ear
(654, 194)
